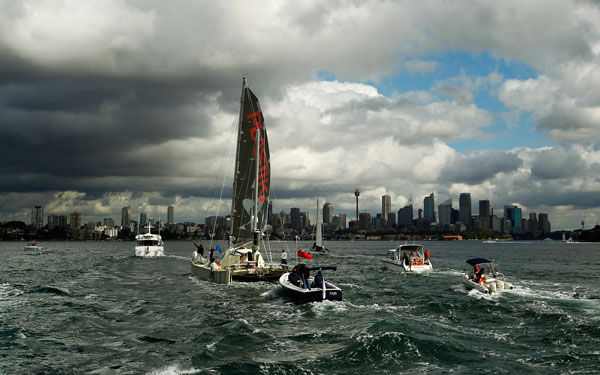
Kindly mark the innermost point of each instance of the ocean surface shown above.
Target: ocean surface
(94, 308)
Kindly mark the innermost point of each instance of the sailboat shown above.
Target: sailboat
(242, 260)
(318, 245)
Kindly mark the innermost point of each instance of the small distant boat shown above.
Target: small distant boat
(33, 245)
(318, 247)
(489, 240)
(300, 294)
(149, 245)
(570, 240)
(408, 258)
(485, 277)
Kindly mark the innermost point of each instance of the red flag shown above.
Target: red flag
(303, 254)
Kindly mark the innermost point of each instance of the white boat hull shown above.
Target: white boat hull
(399, 266)
(489, 286)
(204, 272)
(33, 247)
(149, 251)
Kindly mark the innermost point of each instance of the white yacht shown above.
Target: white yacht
(149, 245)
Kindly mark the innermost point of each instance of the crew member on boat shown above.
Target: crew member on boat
(294, 277)
(283, 257)
(304, 272)
(318, 282)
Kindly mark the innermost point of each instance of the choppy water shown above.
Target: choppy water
(91, 307)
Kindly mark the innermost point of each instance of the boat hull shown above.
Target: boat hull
(149, 251)
(33, 247)
(490, 286)
(301, 295)
(204, 272)
(399, 266)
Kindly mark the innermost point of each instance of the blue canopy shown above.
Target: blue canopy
(475, 261)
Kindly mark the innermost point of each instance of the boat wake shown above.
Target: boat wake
(174, 370)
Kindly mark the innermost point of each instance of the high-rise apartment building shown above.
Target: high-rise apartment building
(364, 220)
(405, 216)
(513, 213)
(429, 208)
(386, 206)
(543, 223)
(125, 216)
(445, 213)
(464, 209)
(327, 213)
(75, 221)
(171, 215)
(484, 214)
(37, 217)
(143, 218)
(295, 219)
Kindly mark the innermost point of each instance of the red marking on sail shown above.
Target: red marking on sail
(263, 165)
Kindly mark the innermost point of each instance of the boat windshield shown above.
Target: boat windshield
(148, 243)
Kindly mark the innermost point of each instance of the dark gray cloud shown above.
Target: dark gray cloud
(479, 167)
(557, 163)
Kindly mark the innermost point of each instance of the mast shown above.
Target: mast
(255, 230)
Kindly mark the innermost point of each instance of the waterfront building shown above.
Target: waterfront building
(513, 213)
(364, 221)
(143, 218)
(445, 214)
(405, 216)
(391, 220)
(429, 208)
(53, 222)
(464, 209)
(37, 217)
(339, 221)
(485, 211)
(125, 216)
(543, 223)
(386, 206)
(171, 215)
(327, 213)
(108, 222)
(295, 219)
(75, 221)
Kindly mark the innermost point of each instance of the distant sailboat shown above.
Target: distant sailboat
(318, 245)
(242, 261)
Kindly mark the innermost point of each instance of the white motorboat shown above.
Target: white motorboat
(33, 245)
(251, 188)
(409, 258)
(295, 290)
(489, 240)
(149, 245)
(485, 277)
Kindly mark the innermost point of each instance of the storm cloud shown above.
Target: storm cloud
(114, 103)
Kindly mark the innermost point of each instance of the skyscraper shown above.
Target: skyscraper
(125, 216)
(543, 223)
(143, 218)
(445, 213)
(429, 207)
(327, 213)
(386, 206)
(405, 216)
(37, 217)
(484, 214)
(75, 221)
(513, 213)
(464, 209)
(171, 215)
(295, 218)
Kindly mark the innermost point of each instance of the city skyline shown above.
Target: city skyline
(138, 110)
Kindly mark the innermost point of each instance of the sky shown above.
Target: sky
(105, 104)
